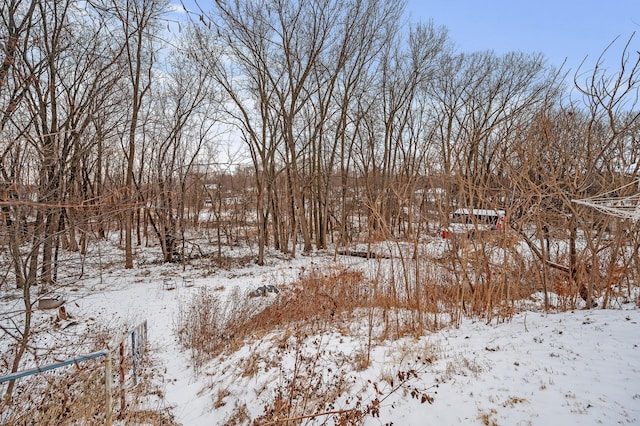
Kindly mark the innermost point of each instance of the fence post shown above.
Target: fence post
(107, 388)
(133, 357)
(123, 395)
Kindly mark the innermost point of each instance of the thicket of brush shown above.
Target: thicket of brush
(394, 297)
(397, 298)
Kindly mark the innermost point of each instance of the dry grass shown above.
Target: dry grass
(405, 297)
(487, 417)
(239, 416)
(419, 299)
(58, 398)
(304, 391)
(411, 299)
(212, 323)
(75, 395)
(316, 301)
(294, 322)
(220, 398)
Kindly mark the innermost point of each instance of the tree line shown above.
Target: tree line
(114, 114)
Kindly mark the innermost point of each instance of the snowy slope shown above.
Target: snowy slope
(580, 367)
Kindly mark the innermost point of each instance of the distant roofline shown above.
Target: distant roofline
(480, 212)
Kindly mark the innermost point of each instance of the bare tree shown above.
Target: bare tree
(185, 114)
(574, 151)
(17, 16)
(59, 59)
(237, 58)
(138, 20)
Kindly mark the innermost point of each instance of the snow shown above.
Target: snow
(577, 367)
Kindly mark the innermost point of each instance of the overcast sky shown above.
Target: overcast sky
(559, 29)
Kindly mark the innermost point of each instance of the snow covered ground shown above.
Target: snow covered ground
(572, 368)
